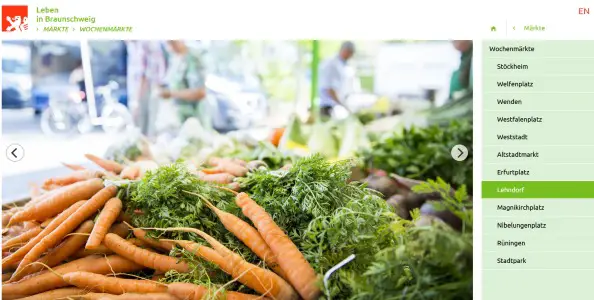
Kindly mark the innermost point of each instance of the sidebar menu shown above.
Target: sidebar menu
(538, 164)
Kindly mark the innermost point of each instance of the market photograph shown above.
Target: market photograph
(237, 169)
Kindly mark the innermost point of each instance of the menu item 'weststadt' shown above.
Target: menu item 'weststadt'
(537, 167)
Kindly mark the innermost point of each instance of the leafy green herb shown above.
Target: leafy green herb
(431, 262)
(313, 187)
(361, 227)
(424, 153)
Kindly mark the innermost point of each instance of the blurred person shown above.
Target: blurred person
(77, 77)
(145, 73)
(462, 77)
(185, 84)
(333, 80)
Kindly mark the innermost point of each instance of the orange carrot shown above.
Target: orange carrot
(52, 187)
(130, 172)
(276, 136)
(6, 276)
(134, 296)
(212, 171)
(73, 167)
(188, 291)
(16, 256)
(59, 201)
(18, 229)
(63, 251)
(107, 165)
(297, 269)
(6, 218)
(93, 296)
(141, 235)
(39, 198)
(63, 293)
(142, 256)
(221, 178)
(108, 215)
(21, 239)
(103, 250)
(247, 234)
(47, 280)
(214, 257)
(74, 177)
(46, 222)
(73, 221)
(205, 253)
(260, 280)
(215, 161)
(231, 168)
(112, 285)
(241, 296)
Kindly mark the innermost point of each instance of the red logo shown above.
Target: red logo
(15, 18)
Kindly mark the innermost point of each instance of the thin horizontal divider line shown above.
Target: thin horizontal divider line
(538, 163)
(536, 251)
(490, 269)
(532, 217)
(498, 236)
(511, 111)
(485, 77)
(519, 92)
(485, 57)
(538, 145)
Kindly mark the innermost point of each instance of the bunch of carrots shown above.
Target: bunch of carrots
(74, 241)
(224, 171)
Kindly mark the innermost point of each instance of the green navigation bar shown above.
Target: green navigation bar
(538, 212)
(538, 189)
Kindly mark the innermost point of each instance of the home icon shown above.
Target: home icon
(493, 29)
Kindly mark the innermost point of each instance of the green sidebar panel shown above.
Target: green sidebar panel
(538, 170)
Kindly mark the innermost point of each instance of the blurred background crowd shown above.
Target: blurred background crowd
(263, 78)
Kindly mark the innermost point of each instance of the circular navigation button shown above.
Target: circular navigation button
(459, 152)
(15, 152)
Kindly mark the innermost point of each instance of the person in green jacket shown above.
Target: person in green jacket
(462, 78)
(186, 84)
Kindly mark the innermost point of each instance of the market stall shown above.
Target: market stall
(369, 205)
